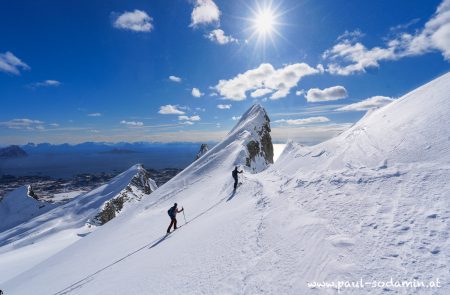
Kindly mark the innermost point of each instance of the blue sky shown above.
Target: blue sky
(75, 71)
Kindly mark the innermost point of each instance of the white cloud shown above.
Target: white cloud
(235, 118)
(54, 125)
(305, 121)
(175, 79)
(219, 37)
(191, 118)
(11, 64)
(196, 92)
(351, 35)
(132, 123)
(23, 124)
(260, 92)
(300, 92)
(138, 21)
(349, 57)
(205, 12)
(367, 104)
(95, 115)
(224, 106)
(170, 110)
(187, 123)
(280, 81)
(327, 94)
(47, 83)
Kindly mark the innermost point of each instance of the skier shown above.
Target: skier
(173, 216)
(235, 176)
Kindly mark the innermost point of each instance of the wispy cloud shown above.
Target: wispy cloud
(27, 124)
(309, 110)
(327, 94)
(94, 115)
(224, 106)
(11, 64)
(218, 36)
(367, 104)
(137, 21)
(205, 12)
(191, 118)
(304, 121)
(170, 110)
(175, 79)
(351, 35)
(132, 123)
(46, 83)
(266, 79)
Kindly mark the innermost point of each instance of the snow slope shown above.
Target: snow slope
(18, 207)
(370, 204)
(31, 242)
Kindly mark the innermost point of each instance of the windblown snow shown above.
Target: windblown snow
(371, 204)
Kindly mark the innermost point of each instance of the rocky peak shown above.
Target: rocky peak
(140, 186)
(260, 148)
(254, 128)
(203, 149)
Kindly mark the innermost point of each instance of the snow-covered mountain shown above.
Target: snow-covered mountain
(31, 231)
(20, 206)
(371, 204)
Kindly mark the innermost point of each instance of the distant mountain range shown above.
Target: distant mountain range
(12, 151)
(106, 147)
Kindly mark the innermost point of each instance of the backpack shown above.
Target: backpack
(234, 173)
(171, 211)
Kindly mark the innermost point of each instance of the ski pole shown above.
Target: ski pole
(184, 217)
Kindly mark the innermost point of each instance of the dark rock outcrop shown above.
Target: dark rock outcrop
(259, 147)
(140, 185)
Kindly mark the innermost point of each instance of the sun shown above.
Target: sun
(264, 21)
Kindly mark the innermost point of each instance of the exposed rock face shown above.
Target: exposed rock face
(259, 145)
(141, 185)
(203, 149)
(31, 193)
(12, 151)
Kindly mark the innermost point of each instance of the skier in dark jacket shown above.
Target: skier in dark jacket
(173, 216)
(235, 176)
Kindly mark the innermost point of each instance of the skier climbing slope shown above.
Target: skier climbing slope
(325, 213)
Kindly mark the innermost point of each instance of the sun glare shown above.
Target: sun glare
(264, 22)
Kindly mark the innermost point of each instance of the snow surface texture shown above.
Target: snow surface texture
(371, 204)
(31, 242)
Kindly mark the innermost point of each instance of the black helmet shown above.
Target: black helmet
(175, 204)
